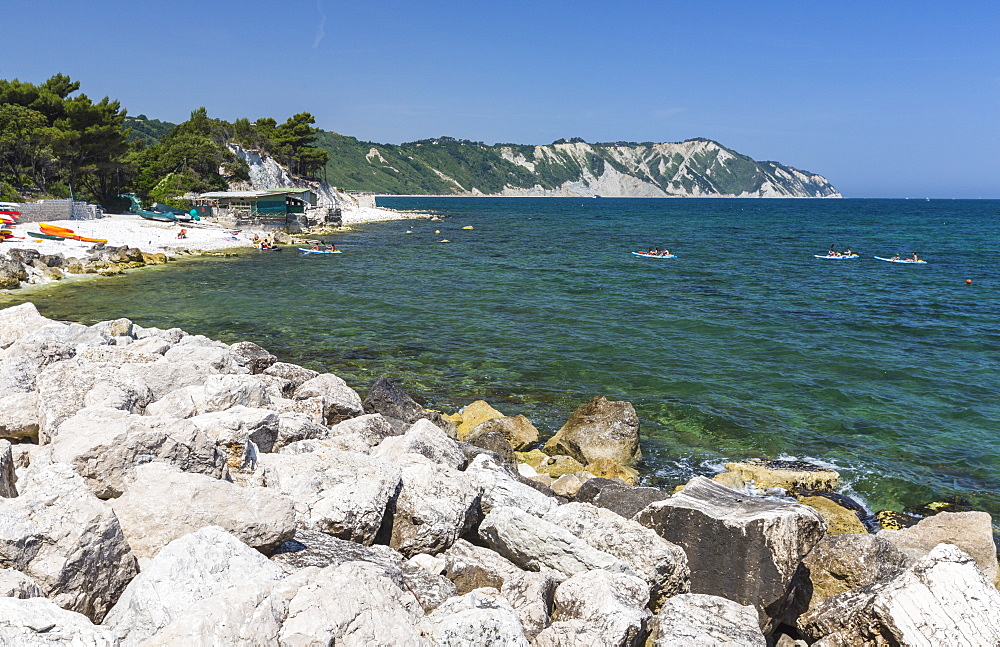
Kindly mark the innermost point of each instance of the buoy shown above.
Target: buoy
(445, 241)
(468, 227)
(437, 231)
(408, 231)
(968, 281)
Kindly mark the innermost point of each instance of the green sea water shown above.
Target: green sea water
(743, 346)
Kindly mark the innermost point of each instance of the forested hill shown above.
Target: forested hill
(693, 168)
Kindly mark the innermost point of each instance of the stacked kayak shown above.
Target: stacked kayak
(63, 232)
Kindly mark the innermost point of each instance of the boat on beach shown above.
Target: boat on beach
(159, 216)
(38, 234)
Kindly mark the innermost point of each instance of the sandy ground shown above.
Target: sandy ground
(151, 236)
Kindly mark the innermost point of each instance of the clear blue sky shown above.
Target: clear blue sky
(886, 99)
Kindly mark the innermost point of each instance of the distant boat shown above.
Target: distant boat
(597, 196)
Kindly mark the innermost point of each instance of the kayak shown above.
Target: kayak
(35, 234)
(901, 260)
(319, 251)
(91, 240)
(836, 258)
(645, 255)
(55, 230)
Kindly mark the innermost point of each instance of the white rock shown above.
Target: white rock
(293, 427)
(500, 489)
(598, 607)
(68, 541)
(661, 564)
(185, 402)
(38, 621)
(19, 415)
(436, 505)
(218, 358)
(104, 445)
(537, 545)
(15, 584)
(240, 432)
(532, 597)
(371, 428)
(225, 391)
(189, 569)
(480, 617)
(341, 401)
(972, 532)
(343, 494)
(473, 567)
(162, 503)
(8, 479)
(18, 321)
(423, 438)
(697, 619)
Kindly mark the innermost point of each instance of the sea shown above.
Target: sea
(745, 345)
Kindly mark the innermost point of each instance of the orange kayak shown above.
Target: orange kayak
(53, 229)
(90, 240)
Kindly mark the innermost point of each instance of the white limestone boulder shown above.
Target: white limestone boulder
(15, 584)
(532, 596)
(501, 489)
(599, 608)
(942, 599)
(343, 494)
(970, 531)
(185, 402)
(162, 503)
(189, 569)
(293, 427)
(8, 478)
(423, 438)
(19, 321)
(240, 432)
(66, 387)
(480, 617)
(740, 547)
(473, 567)
(104, 445)
(435, 506)
(37, 621)
(698, 619)
(67, 540)
(341, 401)
(19, 415)
(372, 428)
(295, 374)
(661, 564)
(538, 545)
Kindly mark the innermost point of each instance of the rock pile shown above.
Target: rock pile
(162, 488)
(30, 266)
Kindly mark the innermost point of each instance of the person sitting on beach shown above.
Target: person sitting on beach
(182, 233)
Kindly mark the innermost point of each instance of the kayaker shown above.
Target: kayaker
(665, 252)
(914, 259)
(315, 247)
(331, 247)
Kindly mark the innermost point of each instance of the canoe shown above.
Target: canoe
(836, 258)
(55, 230)
(156, 215)
(319, 251)
(35, 234)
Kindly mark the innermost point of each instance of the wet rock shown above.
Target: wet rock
(839, 519)
(386, 398)
(518, 431)
(11, 274)
(698, 619)
(599, 429)
(161, 504)
(537, 545)
(617, 496)
(661, 564)
(257, 359)
(725, 533)
(609, 469)
(947, 504)
(64, 538)
(893, 520)
(794, 476)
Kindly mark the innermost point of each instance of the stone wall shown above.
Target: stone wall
(47, 210)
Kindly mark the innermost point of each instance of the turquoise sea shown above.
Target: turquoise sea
(743, 346)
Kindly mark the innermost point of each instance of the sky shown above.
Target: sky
(884, 99)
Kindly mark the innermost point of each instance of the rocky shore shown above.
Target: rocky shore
(162, 488)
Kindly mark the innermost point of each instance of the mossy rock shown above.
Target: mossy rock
(154, 259)
(841, 520)
(52, 273)
(474, 415)
(892, 520)
(9, 283)
(557, 466)
(606, 468)
(793, 476)
(113, 269)
(76, 268)
(949, 504)
(534, 457)
(731, 480)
